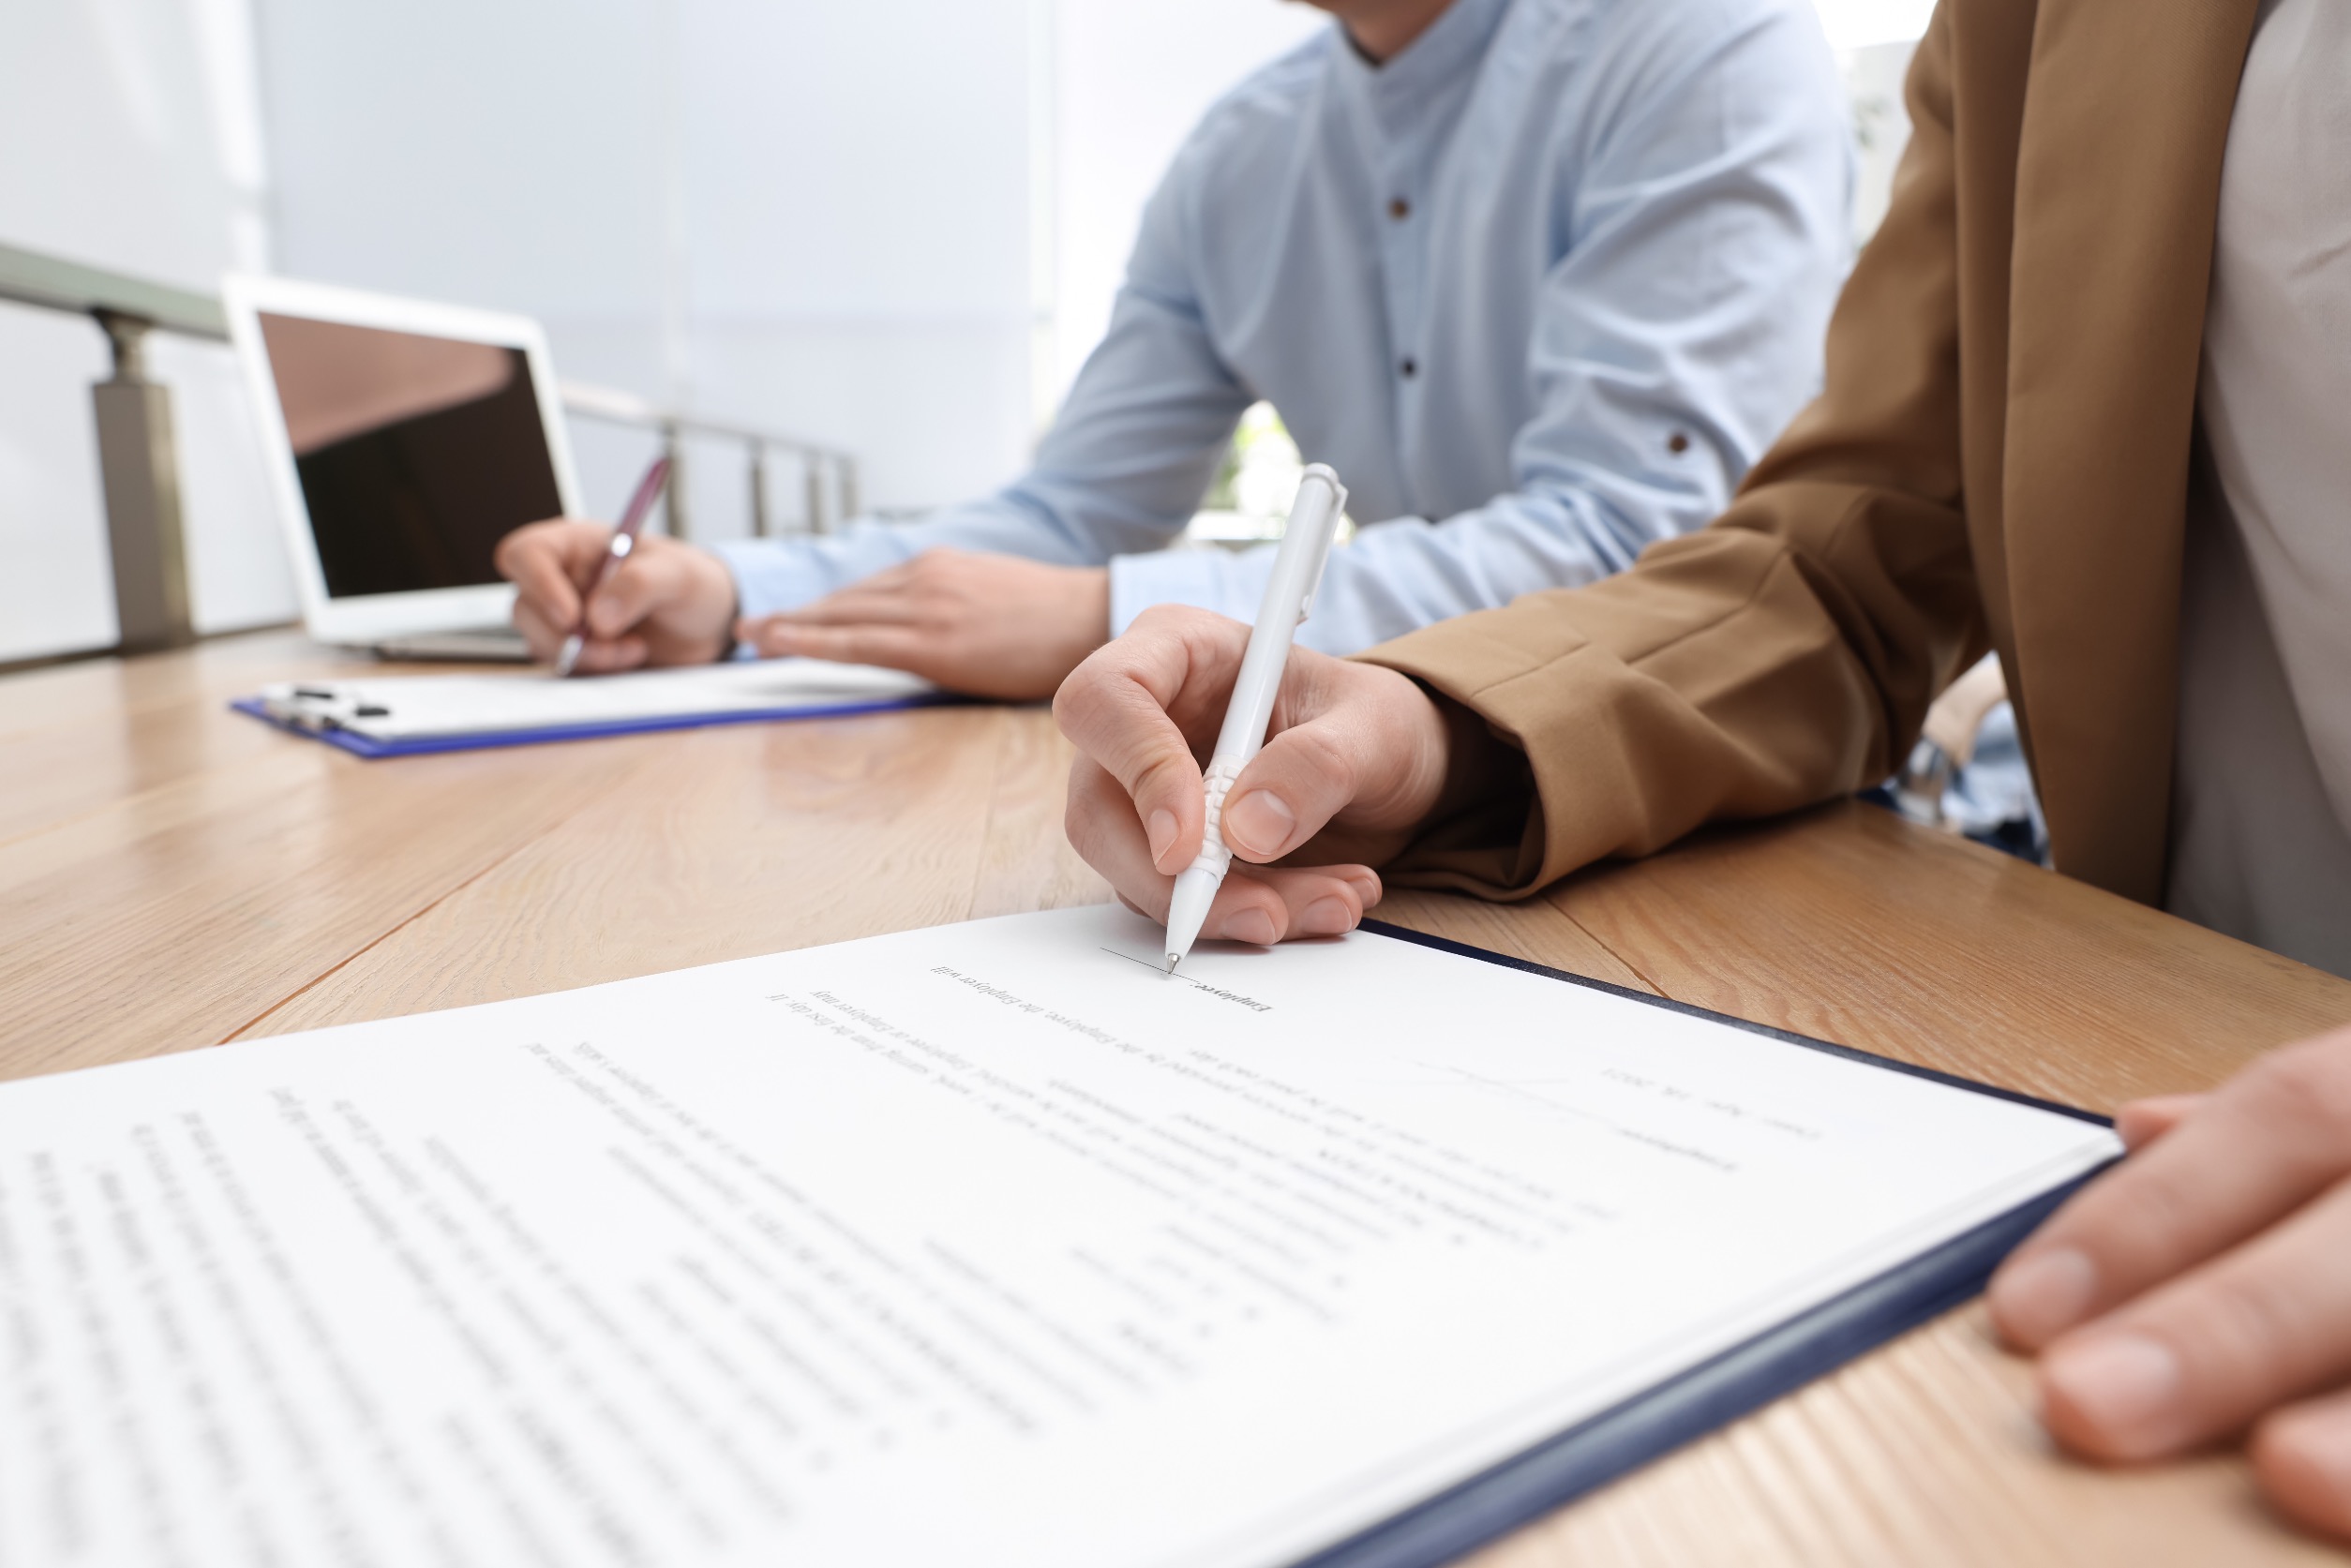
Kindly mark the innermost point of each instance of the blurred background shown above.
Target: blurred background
(890, 227)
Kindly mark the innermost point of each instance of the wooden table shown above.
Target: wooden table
(175, 875)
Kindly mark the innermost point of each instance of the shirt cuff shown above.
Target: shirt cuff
(770, 574)
(1201, 578)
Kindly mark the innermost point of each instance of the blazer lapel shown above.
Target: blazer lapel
(2126, 117)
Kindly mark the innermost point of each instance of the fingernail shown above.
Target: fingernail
(1325, 916)
(1161, 829)
(1247, 925)
(2123, 1384)
(1259, 822)
(2044, 1295)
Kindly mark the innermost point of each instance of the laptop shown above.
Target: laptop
(404, 441)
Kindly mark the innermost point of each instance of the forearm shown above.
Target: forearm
(1026, 520)
(1729, 677)
(1395, 576)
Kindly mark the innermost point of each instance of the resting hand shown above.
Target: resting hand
(2204, 1288)
(1357, 756)
(668, 604)
(995, 626)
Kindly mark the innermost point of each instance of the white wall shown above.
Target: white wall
(1131, 78)
(801, 214)
(135, 144)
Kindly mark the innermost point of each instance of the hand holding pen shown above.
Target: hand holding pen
(1298, 572)
(1353, 757)
(624, 542)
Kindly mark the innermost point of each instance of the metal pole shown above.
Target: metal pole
(848, 486)
(812, 469)
(138, 461)
(674, 501)
(759, 489)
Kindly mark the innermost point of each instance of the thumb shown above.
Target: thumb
(2142, 1121)
(1305, 776)
(638, 589)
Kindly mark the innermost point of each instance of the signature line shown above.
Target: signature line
(1163, 974)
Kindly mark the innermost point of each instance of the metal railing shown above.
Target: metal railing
(139, 452)
(827, 476)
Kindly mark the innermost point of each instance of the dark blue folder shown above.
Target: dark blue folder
(1595, 1452)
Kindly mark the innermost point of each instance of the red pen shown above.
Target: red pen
(624, 540)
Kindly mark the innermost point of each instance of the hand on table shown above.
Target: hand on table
(995, 626)
(1355, 758)
(2204, 1287)
(668, 604)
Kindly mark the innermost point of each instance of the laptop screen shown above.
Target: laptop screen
(415, 454)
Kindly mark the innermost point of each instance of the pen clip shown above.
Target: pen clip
(1323, 545)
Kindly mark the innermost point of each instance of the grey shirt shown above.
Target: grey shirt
(2261, 831)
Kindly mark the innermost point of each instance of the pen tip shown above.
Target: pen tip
(1171, 962)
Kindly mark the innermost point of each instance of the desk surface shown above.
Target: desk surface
(173, 875)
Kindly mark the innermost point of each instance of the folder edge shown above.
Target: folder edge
(1712, 1395)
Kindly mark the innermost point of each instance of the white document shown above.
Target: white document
(981, 1245)
(409, 708)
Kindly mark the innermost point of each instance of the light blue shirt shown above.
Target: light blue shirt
(1541, 288)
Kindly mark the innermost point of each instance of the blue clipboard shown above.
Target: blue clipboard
(1714, 1394)
(361, 746)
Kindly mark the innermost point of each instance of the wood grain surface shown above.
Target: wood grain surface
(173, 875)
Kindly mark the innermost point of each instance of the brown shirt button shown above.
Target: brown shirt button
(1399, 209)
(1408, 370)
(1677, 443)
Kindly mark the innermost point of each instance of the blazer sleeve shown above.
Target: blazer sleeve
(1782, 656)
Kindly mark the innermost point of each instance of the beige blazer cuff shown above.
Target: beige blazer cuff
(1709, 683)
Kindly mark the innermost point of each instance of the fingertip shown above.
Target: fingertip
(1327, 915)
(613, 655)
(2114, 1396)
(2141, 1122)
(1251, 923)
(2039, 1294)
(2302, 1457)
(1259, 825)
(1366, 882)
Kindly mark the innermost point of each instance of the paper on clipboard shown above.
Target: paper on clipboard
(400, 709)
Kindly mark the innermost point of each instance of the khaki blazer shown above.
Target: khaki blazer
(1999, 459)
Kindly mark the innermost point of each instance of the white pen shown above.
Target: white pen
(1298, 573)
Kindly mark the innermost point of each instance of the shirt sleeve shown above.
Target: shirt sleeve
(1675, 340)
(1121, 471)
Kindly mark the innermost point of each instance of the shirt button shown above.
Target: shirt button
(1408, 370)
(1677, 443)
(1399, 209)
